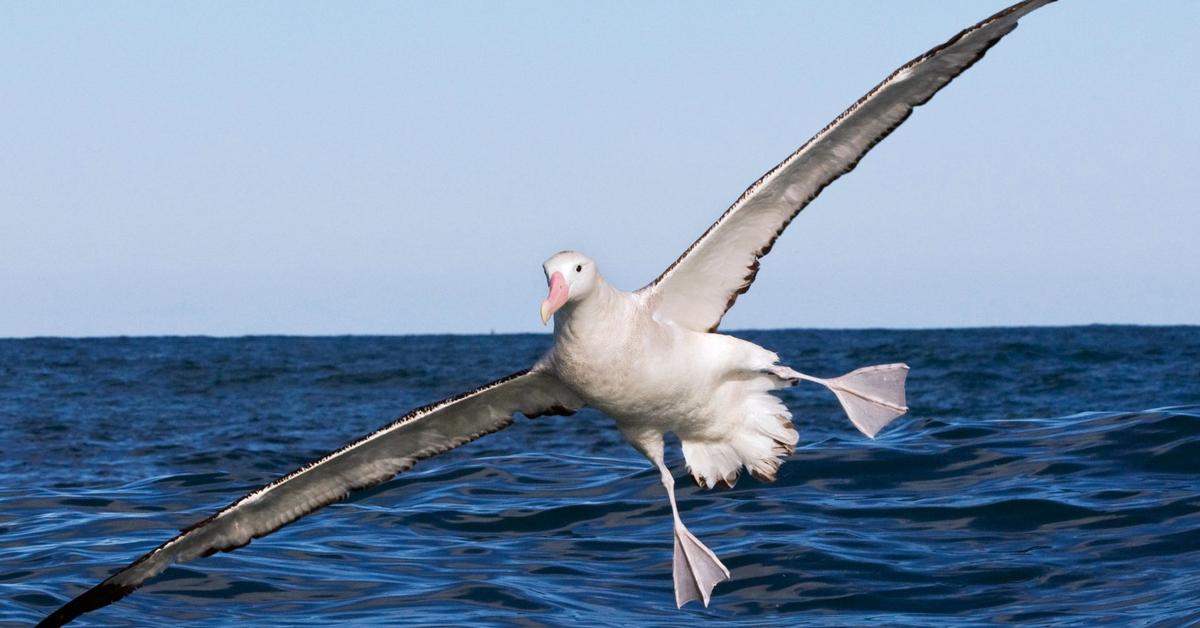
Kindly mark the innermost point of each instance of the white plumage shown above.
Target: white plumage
(654, 376)
(649, 359)
(624, 356)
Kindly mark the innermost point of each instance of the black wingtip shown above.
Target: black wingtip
(94, 598)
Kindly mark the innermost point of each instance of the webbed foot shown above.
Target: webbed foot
(697, 569)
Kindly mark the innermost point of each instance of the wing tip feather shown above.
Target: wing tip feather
(135, 574)
(1015, 12)
(94, 598)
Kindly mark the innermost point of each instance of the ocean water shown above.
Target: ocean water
(1044, 475)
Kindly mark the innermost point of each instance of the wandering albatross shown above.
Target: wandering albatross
(650, 359)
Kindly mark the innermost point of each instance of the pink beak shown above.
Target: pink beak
(557, 297)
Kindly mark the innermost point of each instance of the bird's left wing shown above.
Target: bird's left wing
(422, 433)
(697, 290)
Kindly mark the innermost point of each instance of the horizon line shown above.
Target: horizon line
(549, 333)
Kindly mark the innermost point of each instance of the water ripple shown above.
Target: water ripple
(1044, 476)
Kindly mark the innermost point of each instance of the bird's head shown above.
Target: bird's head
(571, 276)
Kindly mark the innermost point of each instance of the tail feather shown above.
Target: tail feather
(764, 437)
(872, 397)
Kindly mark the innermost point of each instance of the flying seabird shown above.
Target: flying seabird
(650, 359)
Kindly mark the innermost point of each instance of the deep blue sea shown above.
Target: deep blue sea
(1044, 475)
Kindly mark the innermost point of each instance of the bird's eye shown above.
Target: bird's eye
(579, 268)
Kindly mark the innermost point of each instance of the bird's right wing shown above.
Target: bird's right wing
(422, 433)
(697, 290)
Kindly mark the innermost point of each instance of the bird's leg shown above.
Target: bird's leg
(697, 570)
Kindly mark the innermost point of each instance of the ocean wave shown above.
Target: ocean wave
(1022, 488)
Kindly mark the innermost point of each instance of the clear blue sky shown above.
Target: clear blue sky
(320, 168)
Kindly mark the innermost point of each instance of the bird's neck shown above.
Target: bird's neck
(589, 315)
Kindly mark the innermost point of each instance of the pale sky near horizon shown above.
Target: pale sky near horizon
(315, 168)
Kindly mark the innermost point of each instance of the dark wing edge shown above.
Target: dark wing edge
(368, 461)
(1003, 22)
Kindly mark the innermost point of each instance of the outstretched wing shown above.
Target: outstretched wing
(422, 433)
(697, 290)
